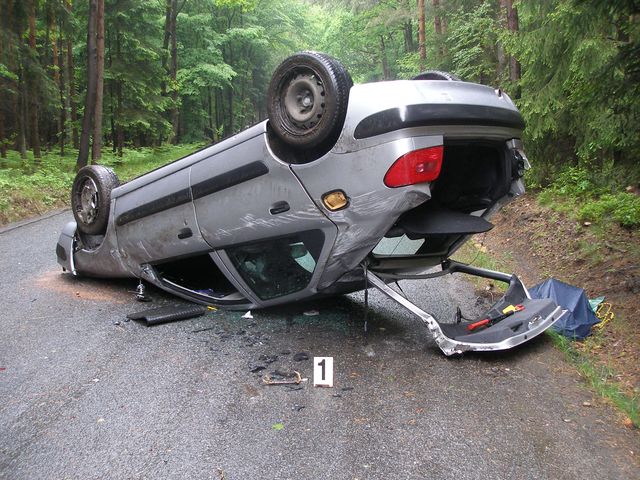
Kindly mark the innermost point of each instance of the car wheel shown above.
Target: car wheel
(307, 99)
(436, 75)
(91, 198)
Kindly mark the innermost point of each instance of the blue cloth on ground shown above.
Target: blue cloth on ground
(577, 322)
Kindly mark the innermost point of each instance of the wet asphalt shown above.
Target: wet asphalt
(84, 394)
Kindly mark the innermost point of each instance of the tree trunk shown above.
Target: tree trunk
(58, 80)
(119, 130)
(22, 122)
(33, 111)
(71, 96)
(89, 103)
(437, 22)
(385, 63)
(20, 100)
(63, 103)
(421, 35)
(512, 25)
(97, 113)
(175, 113)
(211, 131)
(3, 142)
(407, 30)
(165, 45)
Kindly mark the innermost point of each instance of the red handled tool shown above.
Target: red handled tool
(487, 322)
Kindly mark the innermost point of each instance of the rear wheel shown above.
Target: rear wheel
(436, 75)
(91, 198)
(307, 99)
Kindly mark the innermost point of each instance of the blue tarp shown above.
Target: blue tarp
(577, 322)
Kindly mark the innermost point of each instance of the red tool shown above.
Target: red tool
(487, 322)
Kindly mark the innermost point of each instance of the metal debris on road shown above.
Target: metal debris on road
(278, 378)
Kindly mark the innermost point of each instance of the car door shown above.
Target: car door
(155, 221)
(245, 197)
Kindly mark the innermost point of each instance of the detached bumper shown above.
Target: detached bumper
(457, 338)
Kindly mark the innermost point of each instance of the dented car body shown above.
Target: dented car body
(408, 172)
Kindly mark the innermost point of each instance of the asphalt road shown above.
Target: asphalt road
(85, 395)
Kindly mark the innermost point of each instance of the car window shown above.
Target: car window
(280, 266)
(401, 245)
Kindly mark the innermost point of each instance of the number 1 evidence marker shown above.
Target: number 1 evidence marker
(323, 371)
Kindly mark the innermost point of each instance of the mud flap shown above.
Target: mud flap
(456, 338)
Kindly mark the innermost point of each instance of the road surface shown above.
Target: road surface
(84, 394)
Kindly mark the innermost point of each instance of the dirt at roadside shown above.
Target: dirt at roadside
(537, 243)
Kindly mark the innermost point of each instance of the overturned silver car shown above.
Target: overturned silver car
(344, 187)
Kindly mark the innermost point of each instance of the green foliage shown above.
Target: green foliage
(623, 207)
(27, 190)
(574, 181)
(577, 191)
(472, 42)
(576, 84)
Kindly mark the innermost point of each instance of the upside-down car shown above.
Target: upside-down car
(342, 188)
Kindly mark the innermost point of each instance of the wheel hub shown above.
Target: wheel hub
(88, 205)
(304, 100)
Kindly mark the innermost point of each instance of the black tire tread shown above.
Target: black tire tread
(106, 180)
(341, 83)
(437, 75)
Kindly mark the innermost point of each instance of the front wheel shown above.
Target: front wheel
(307, 99)
(91, 198)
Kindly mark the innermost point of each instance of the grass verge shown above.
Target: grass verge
(29, 187)
(602, 379)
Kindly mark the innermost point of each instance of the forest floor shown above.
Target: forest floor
(537, 242)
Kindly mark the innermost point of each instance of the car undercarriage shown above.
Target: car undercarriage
(343, 187)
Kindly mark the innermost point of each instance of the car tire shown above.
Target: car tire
(307, 99)
(436, 75)
(91, 198)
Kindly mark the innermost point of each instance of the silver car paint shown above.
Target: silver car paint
(241, 213)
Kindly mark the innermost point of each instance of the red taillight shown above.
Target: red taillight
(415, 167)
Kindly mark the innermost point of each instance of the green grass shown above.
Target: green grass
(28, 188)
(472, 254)
(601, 378)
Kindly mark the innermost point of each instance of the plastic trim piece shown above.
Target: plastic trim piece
(436, 114)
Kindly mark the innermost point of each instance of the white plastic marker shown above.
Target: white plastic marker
(323, 371)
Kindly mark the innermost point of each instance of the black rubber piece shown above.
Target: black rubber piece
(170, 313)
(436, 75)
(422, 115)
(419, 223)
(105, 180)
(330, 83)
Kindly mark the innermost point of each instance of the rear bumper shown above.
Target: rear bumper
(423, 115)
(455, 338)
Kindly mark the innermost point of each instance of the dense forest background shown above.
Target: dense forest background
(109, 76)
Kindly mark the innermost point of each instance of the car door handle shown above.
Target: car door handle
(185, 233)
(279, 207)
